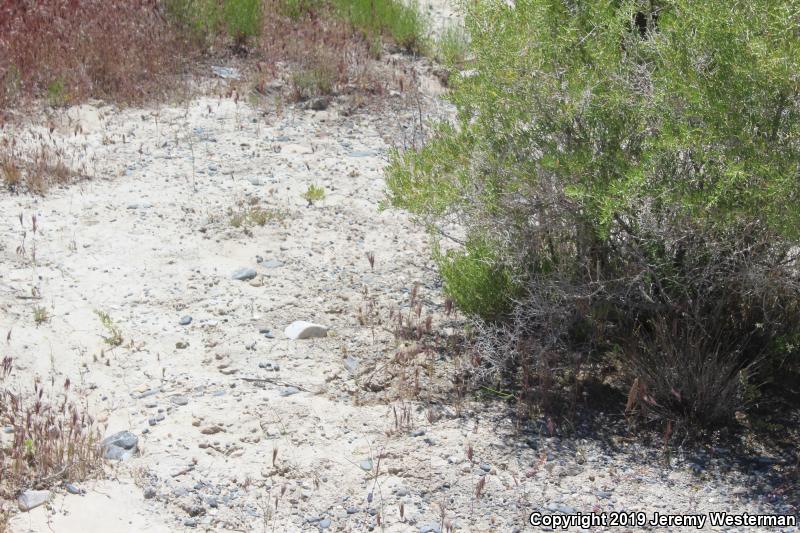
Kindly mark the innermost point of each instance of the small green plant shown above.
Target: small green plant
(40, 315)
(57, 93)
(475, 281)
(314, 193)
(114, 337)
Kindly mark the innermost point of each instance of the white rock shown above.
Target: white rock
(31, 499)
(301, 329)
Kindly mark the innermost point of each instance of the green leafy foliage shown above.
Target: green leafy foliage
(639, 157)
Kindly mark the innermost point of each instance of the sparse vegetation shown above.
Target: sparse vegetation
(51, 438)
(114, 337)
(313, 194)
(253, 214)
(40, 315)
(403, 23)
(452, 47)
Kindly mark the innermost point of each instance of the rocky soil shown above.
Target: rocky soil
(239, 427)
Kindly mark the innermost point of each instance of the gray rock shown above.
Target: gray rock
(486, 467)
(300, 329)
(366, 465)
(288, 391)
(185, 320)
(30, 499)
(148, 392)
(120, 446)
(179, 400)
(430, 528)
(73, 489)
(244, 274)
(325, 523)
(362, 153)
(271, 263)
(149, 493)
(190, 522)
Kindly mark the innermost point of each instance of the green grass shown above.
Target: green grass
(404, 24)
(205, 19)
(452, 47)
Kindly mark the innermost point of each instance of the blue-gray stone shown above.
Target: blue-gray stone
(244, 274)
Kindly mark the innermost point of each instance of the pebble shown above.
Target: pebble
(31, 499)
(288, 391)
(73, 489)
(325, 523)
(179, 400)
(244, 274)
(185, 320)
(430, 528)
(301, 329)
(149, 493)
(120, 446)
(366, 465)
(271, 263)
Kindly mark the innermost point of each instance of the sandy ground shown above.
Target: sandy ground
(151, 238)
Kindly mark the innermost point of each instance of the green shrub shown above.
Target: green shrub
(638, 157)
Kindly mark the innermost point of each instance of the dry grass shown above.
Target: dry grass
(67, 51)
(51, 438)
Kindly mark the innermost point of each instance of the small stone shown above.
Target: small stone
(244, 274)
(120, 446)
(211, 430)
(31, 499)
(271, 263)
(149, 493)
(185, 320)
(73, 489)
(366, 465)
(180, 345)
(179, 400)
(190, 522)
(430, 528)
(486, 467)
(325, 523)
(418, 433)
(288, 391)
(301, 329)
